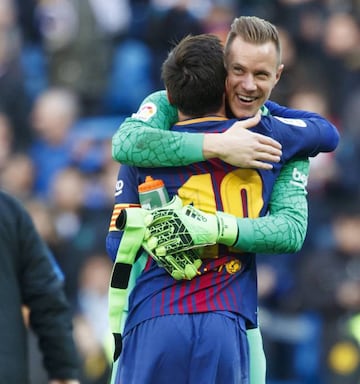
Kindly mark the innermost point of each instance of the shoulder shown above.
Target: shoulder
(13, 213)
(154, 99)
(13, 216)
(9, 203)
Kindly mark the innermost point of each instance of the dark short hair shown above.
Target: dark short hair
(194, 75)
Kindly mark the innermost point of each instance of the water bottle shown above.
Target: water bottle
(152, 193)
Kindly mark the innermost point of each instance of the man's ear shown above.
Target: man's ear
(279, 72)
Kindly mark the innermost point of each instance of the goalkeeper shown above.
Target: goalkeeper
(138, 143)
(157, 294)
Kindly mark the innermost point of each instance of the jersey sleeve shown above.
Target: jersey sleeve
(284, 229)
(301, 137)
(327, 134)
(126, 196)
(144, 138)
(275, 109)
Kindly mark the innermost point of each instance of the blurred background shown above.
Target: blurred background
(72, 70)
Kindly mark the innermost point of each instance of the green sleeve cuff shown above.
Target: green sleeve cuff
(246, 237)
(193, 147)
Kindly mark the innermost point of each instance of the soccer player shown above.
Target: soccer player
(253, 76)
(199, 326)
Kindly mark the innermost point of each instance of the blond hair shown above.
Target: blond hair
(254, 30)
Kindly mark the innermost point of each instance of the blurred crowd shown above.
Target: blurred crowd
(72, 70)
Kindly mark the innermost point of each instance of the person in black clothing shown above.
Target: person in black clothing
(29, 278)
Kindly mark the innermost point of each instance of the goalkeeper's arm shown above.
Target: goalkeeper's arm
(284, 229)
(170, 231)
(144, 140)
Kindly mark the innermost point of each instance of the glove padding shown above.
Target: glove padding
(173, 230)
(180, 265)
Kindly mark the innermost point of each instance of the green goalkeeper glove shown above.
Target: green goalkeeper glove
(180, 265)
(173, 230)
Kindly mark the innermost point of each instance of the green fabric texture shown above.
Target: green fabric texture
(265, 111)
(285, 228)
(147, 142)
(257, 356)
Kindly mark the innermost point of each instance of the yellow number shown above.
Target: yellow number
(198, 190)
(240, 192)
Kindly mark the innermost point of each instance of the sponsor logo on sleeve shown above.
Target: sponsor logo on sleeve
(119, 187)
(145, 112)
(299, 178)
(295, 122)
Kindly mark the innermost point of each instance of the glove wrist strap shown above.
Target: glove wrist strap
(228, 228)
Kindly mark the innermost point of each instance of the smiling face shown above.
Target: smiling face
(253, 71)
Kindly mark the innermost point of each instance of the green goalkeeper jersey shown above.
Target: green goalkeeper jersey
(144, 140)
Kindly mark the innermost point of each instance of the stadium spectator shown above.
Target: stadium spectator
(30, 278)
